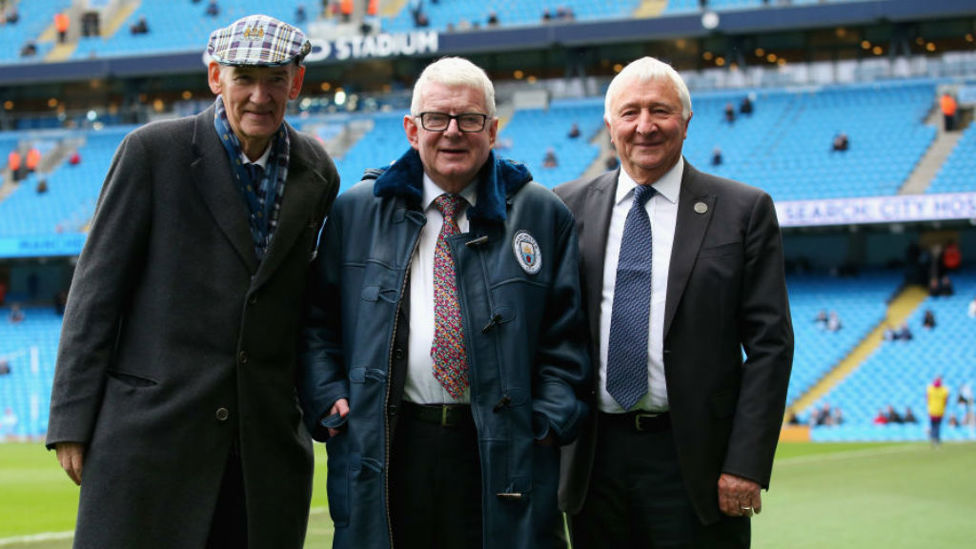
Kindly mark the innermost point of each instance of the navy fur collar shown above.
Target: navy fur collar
(498, 179)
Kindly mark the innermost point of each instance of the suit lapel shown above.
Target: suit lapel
(593, 241)
(689, 232)
(213, 178)
(298, 206)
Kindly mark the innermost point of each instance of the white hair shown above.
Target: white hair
(454, 71)
(647, 69)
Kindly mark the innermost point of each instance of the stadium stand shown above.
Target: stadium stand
(30, 348)
(35, 18)
(898, 372)
(957, 174)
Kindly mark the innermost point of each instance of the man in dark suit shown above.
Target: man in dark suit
(174, 403)
(686, 428)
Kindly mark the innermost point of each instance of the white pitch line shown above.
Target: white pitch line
(835, 456)
(47, 536)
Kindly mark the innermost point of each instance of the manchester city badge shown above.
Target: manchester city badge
(527, 252)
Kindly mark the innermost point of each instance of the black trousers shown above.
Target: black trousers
(228, 527)
(435, 485)
(637, 498)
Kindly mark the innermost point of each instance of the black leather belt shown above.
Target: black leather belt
(642, 422)
(445, 415)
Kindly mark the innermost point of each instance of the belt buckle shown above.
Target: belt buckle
(639, 416)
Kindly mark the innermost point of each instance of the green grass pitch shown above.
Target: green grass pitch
(858, 496)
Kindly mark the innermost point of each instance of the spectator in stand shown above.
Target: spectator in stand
(61, 24)
(892, 415)
(33, 159)
(909, 416)
(951, 256)
(833, 322)
(928, 321)
(574, 131)
(60, 302)
(821, 319)
(41, 186)
(140, 26)
(612, 163)
(716, 156)
(794, 420)
(546, 16)
(16, 314)
(971, 309)
(936, 396)
(492, 18)
(4, 367)
(3, 292)
(300, 15)
(966, 399)
(948, 105)
(729, 113)
(837, 417)
(945, 286)
(904, 333)
(889, 333)
(841, 142)
(8, 423)
(745, 107)
(14, 163)
(881, 418)
(29, 49)
(550, 160)
(75, 158)
(12, 16)
(213, 10)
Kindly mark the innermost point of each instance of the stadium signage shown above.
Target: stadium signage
(43, 245)
(877, 209)
(377, 45)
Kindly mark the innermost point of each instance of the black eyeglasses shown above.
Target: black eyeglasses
(467, 122)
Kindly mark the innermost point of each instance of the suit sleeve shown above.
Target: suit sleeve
(107, 270)
(767, 338)
(322, 377)
(562, 363)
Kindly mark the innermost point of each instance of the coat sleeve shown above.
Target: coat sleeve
(767, 338)
(322, 376)
(107, 270)
(562, 365)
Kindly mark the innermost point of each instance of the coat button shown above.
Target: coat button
(252, 300)
(242, 357)
(222, 414)
(398, 353)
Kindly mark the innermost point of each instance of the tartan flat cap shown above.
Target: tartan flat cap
(257, 40)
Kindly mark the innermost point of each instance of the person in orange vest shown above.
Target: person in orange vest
(346, 8)
(13, 161)
(371, 8)
(61, 23)
(948, 104)
(33, 159)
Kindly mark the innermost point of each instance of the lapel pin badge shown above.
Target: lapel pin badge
(701, 207)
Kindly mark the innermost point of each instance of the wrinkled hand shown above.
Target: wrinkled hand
(340, 407)
(71, 456)
(737, 493)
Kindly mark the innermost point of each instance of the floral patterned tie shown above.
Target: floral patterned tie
(447, 351)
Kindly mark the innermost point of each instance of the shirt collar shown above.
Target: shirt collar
(432, 191)
(668, 186)
(262, 161)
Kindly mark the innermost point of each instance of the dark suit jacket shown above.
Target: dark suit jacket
(726, 293)
(176, 342)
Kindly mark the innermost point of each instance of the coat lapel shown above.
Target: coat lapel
(213, 178)
(298, 208)
(593, 240)
(689, 232)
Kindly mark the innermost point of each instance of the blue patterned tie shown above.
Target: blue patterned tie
(627, 352)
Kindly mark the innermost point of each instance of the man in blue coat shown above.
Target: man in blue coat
(444, 347)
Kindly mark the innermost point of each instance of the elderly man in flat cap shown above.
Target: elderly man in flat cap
(174, 404)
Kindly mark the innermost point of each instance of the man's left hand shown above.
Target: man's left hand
(738, 497)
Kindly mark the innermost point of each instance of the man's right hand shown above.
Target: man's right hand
(340, 407)
(71, 456)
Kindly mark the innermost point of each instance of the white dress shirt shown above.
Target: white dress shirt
(421, 387)
(662, 208)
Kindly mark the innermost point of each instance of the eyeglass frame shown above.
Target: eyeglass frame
(456, 118)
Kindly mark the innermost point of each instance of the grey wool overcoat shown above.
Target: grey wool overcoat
(176, 340)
